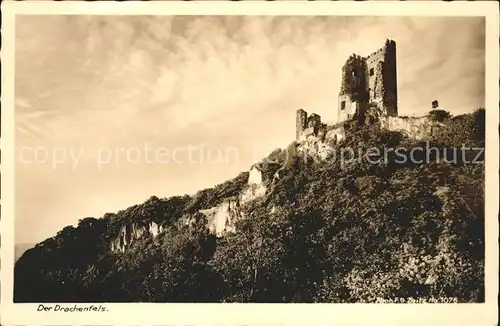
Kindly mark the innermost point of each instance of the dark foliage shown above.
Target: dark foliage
(323, 233)
(439, 115)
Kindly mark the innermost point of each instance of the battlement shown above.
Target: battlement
(381, 50)
(369, 81)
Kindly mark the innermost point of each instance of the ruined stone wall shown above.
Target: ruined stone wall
(382, 78)
(300, 123)
(335, 133)
(390, 79)
(347, 108)
(353, 91)
(415, 127)
(307, 125)
(375, 77)
(314, 120)
(311, 131)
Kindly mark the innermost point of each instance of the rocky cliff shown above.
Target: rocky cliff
(219, 218)
(131, 232)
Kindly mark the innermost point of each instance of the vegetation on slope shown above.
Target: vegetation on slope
(325, 232)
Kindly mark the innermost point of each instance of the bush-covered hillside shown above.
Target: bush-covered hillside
(324, 232)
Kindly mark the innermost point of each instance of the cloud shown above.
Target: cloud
(116, 81)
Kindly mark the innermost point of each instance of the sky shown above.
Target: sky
(111, 110)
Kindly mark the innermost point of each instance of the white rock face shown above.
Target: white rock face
(253, 191)
(130, 233)
(155, 229)
(221, 218)
(255, 176)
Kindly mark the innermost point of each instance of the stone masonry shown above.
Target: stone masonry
(368, 94)
(369, 82)
(369, 87)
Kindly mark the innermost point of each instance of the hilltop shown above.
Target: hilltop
(297, 227)
(20, 248)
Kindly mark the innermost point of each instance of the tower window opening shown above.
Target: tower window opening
(371, 71)
(342, 105)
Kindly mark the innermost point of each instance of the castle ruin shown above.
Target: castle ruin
(368, 90)
(369, 82)
(307, 125)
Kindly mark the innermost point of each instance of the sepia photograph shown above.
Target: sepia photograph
(248, 158)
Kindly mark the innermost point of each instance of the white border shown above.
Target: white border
(249, 314)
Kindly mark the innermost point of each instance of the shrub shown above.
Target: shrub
(439, 115)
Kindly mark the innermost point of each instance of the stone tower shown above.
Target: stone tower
(369, 81)
(353, 90)
(301, 123)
